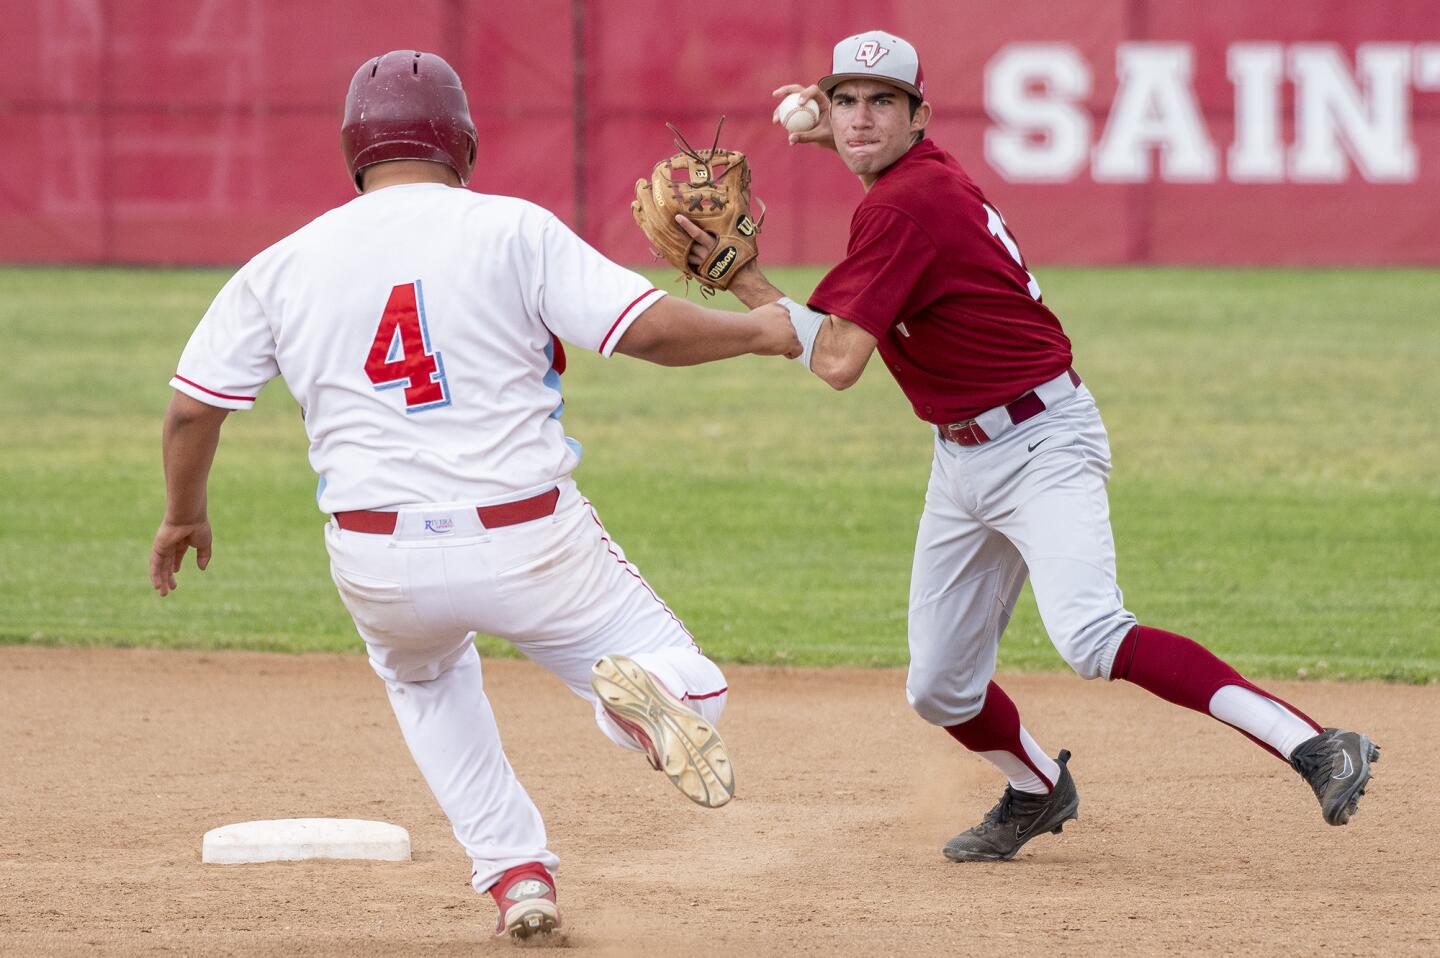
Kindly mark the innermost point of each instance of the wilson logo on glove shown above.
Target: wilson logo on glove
(723, 264)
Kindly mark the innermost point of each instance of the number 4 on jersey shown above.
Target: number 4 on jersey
(400, 354)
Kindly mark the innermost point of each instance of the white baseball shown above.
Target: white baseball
(798, 117)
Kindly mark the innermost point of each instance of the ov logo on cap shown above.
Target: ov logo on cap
(870, 53)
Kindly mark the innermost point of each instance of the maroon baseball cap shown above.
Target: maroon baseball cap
(876, 55)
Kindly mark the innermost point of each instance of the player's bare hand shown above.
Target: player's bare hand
(777, 333)
(820, 134)
(172, 541)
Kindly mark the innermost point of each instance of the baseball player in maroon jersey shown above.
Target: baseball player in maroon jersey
(934, 281)
(418, 327)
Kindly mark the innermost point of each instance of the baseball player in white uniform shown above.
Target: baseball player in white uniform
(419, 328)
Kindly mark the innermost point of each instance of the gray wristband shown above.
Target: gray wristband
(807, 326)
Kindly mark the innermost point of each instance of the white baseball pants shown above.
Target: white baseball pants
(1030, 500)
(559, 589)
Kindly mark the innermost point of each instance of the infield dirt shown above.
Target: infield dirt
(1190, 840)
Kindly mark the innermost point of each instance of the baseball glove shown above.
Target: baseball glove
(711, 188)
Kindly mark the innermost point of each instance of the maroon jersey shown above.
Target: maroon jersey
(933, 274)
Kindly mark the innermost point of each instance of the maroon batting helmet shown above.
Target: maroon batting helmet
(407, 105)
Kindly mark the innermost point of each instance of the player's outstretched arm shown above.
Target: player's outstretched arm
(677, 332)
(192, 433)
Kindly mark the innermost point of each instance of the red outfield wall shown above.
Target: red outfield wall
(1111, 131)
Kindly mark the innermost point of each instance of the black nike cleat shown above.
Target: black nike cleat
(1019, 817)
(1336, 763)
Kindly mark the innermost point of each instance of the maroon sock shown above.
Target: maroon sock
(1183, 671)
(996, 729)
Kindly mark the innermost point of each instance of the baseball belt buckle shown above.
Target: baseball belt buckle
(967, 433)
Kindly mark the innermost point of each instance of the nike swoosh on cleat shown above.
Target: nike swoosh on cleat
(1349, 768)
(1035, 445)
(1025, 835)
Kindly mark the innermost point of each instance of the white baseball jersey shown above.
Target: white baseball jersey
(417, 328)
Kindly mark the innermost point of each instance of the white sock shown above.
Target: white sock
(1022, 777)
(1264, 718)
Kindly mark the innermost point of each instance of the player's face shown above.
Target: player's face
(872, 125)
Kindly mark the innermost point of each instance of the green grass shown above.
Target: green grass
(1275, 491)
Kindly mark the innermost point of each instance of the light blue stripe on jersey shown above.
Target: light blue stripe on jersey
(319, 486)
(552, 380)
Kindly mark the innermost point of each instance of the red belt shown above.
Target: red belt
(491, 517)
(969, 433)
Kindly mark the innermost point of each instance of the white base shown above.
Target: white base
(299, 839)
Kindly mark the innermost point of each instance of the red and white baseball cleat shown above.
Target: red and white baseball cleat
(525, 896)
(676, 739)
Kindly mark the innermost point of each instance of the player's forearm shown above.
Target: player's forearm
(831, 347)
(837, 350)
(676, 332)
(841, 352)
(752, 288)
(191, 436)
(689, 345)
